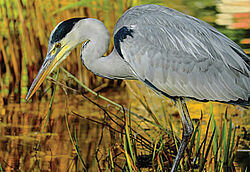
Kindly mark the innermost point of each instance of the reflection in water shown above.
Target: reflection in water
(21, 130)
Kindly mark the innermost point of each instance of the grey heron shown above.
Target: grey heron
(176, 55)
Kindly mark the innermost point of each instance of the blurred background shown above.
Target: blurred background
(24, 33)
(26, 25)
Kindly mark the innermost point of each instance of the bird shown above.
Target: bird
(176, 55)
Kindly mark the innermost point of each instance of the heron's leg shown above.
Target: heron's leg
(187, 131)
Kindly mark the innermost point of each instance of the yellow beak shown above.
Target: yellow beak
(51, 61)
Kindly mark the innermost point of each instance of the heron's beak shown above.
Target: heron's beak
(52, 59)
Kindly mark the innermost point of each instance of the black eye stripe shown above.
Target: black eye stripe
(63, 29)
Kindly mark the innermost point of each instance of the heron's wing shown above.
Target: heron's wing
(179, 55)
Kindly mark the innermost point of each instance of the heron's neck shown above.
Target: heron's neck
(111, 66)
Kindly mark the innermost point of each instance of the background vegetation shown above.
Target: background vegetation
(26, 25)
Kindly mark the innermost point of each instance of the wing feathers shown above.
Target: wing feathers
(183, 56)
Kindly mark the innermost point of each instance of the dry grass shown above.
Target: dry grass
(25, 29)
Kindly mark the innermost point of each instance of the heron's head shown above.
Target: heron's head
(65, 37)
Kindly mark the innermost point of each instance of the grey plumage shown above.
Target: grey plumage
(183, 56)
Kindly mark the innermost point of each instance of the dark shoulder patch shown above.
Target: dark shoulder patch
(64, 28)
(120, 35)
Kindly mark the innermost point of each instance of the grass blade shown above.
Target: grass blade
(224, 142)
(128, 140)
(207, 151)
(204, 144)
(192, 142)
(74, 145)
(126, 155)
(228, 140)
(1, 169)
(215, 140)
(49, 111)
(232, 149)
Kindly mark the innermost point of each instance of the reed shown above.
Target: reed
(1, 169)
(25, 29)
(156, 148)
(202, 152)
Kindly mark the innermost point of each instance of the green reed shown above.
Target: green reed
(49, 111)
(156, 148)
(199, 155)
(1, 169)
(212, 151)
(75, 144)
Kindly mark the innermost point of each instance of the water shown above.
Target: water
(21, 133)
(24, 146)
(21, 129)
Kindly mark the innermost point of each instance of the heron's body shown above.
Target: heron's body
(174, 54)
(180, 56)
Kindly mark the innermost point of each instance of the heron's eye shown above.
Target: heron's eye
(58, 45)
